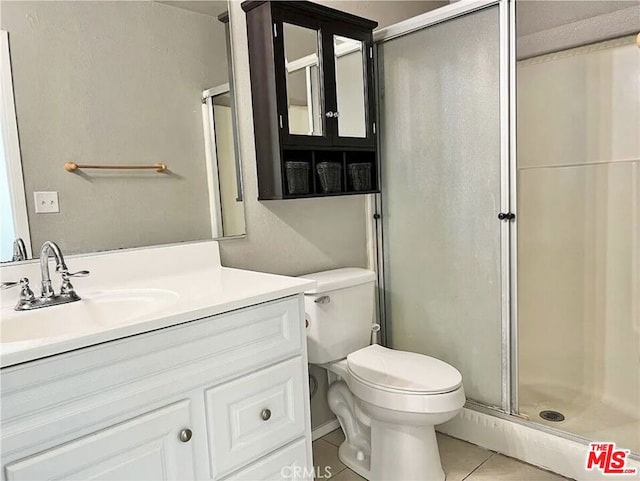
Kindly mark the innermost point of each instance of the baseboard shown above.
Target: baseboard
(528, 444)
(325, 429)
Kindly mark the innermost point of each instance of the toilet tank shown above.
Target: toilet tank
(339, 312)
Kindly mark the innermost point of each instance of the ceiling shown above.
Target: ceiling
(539, 15)
(205, 7)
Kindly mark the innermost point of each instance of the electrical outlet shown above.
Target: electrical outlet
(46, 202)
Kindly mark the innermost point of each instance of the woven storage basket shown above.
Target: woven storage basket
(330, 175)
(297, 177)
(360, 175)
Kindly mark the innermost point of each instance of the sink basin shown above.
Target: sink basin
(96, 311)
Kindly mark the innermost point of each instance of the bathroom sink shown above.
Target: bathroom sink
(97, 311)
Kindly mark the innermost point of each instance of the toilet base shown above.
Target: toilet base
(349, 455)
(383, 444)
(404, 453)
(355, 451)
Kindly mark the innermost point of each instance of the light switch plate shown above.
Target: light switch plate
(46, 202)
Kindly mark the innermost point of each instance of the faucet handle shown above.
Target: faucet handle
(67, 288)
(26, 294)
(75, 274)
(8, 285)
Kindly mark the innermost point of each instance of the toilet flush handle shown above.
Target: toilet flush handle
(323, 300)
(375, 329)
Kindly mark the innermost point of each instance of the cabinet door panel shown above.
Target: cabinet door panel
(290, 463)
(300, 82)
(350, 75)
(255, 415)
(144, 448)
(303, 82)
(351, 81)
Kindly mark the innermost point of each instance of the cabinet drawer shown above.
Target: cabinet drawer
(255, 415)
(290, 463)
(145, 447)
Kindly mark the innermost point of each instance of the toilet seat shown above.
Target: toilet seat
(402, 372)
(404, 381)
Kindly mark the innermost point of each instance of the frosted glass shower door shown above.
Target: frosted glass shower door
(441, 180)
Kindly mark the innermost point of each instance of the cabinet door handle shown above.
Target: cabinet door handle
(185, 435)
(323, 300)
(265, 414)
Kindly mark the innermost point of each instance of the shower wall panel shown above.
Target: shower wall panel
(579, 238)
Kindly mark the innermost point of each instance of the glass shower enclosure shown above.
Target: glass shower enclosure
(539, 312)
(440, 149)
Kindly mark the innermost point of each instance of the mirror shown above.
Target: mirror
(226, 180)
(303, 80)
(350, 86)
(117, 84)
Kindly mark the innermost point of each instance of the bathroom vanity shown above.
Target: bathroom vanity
(210, 385)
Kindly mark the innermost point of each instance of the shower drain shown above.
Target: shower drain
(553, 416)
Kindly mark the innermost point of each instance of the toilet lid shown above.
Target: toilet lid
(403, 371)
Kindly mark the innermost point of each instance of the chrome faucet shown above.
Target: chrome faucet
(19, 250)
(48, 296)
(47, 289)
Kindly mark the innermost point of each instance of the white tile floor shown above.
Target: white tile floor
(460, 460)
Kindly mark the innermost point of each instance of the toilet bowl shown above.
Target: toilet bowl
(388, 402)
(398, 397)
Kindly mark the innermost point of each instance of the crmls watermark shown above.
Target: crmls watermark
(304, 472)
(606, 458)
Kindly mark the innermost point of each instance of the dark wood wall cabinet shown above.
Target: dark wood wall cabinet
(313, 100)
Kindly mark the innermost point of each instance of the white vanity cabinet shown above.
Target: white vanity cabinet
(224, 397)
(145, 447)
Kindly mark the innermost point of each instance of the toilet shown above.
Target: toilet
(388, 402)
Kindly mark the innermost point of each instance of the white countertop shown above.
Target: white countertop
(199, 288)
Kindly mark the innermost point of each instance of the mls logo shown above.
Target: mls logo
(606, 458)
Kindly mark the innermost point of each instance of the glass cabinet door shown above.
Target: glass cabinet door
(303, 89)
(350, 87)
(349, 107)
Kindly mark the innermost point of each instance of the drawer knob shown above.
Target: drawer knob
(185, 435)
(265, 414)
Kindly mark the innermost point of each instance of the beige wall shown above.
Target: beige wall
(299, 236)
(109, 83)
(320, 412)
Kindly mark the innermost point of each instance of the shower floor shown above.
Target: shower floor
(585, 416)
